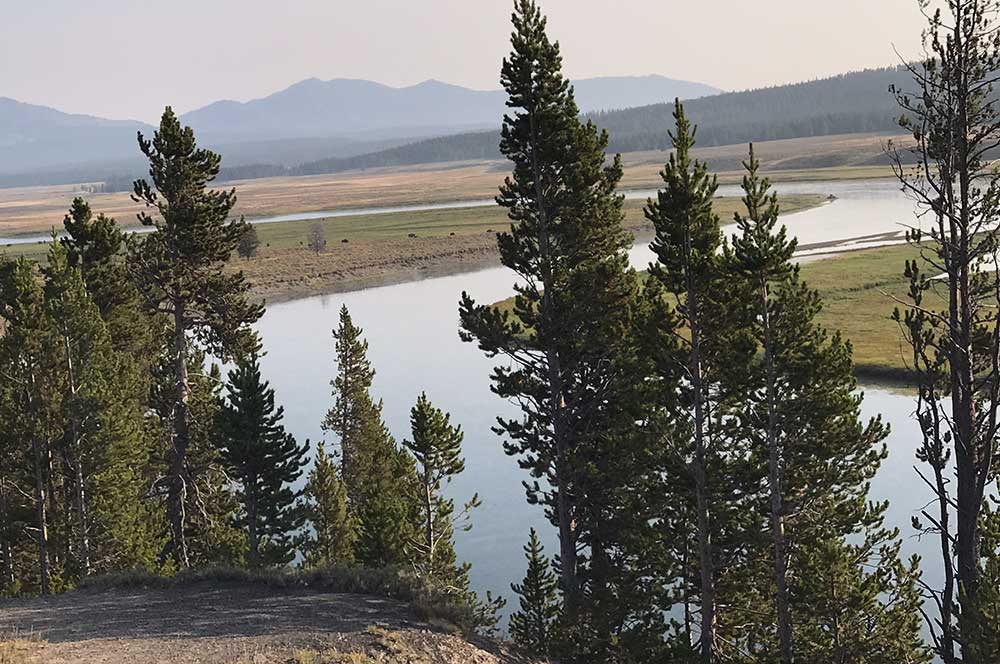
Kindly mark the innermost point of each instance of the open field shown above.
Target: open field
(37, 209)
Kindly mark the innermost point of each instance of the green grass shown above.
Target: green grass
(858, 291)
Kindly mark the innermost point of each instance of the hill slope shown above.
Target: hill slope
(852, 103)
(37, 136)
(307, 121)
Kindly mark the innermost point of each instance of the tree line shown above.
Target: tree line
(123, 447)
(695, 437)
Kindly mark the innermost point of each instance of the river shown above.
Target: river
(412, 331)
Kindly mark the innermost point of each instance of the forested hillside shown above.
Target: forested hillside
(850, 103)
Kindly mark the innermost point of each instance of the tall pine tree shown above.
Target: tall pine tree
(686, 246)
(178, 271)
(568, 335)
(952, 114)
(835, 578)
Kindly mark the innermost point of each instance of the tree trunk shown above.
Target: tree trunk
(700, 470)
(774, 482)
(80, 496)
(79, 490)
(253, 534)
(429, 529)
(557, 402)
(41, 515)
(177, 486)
(6, 550)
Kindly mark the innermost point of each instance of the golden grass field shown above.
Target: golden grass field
(38, 209)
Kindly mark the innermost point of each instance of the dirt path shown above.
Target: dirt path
(227, 625)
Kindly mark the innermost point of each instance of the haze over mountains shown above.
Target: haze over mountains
(348, 117)
(318, 127)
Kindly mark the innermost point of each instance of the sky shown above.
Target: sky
(129, 58)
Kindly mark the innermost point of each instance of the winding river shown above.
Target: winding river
(412, 331)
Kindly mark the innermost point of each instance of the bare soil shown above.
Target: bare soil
(238, 624)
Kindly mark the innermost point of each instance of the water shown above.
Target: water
(412, 331)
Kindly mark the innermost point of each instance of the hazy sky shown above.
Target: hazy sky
(128, 58)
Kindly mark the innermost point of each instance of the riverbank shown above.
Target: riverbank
(379, 250)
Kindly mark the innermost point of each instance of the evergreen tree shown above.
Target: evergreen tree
(177, 269)
(96, 246)
(101, 449)
(801, 415)
(333, 531)
(532, 624)
(266, 461)
(29, 404)
(437, 449)
(380, 477)
(211, 504)
(696, 371)
(568, 338)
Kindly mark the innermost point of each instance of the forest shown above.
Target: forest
(692, 435)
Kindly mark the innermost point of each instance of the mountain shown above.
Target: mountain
(345, 107)
(308, 121)
(858, 102)
(33, 137)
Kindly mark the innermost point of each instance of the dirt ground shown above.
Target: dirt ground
(226, 625)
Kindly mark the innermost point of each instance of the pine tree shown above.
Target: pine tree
(333, 532)
(97, 246)
(437, 447)
(100, 412)
(686, 244)
(801, 414)
(29, 402)
(568, 336)
(532, 624)
(380, 476)
(265, 460)
(177, 269)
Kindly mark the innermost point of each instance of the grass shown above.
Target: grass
(860, 290)
(17, 647)
(454, 221)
